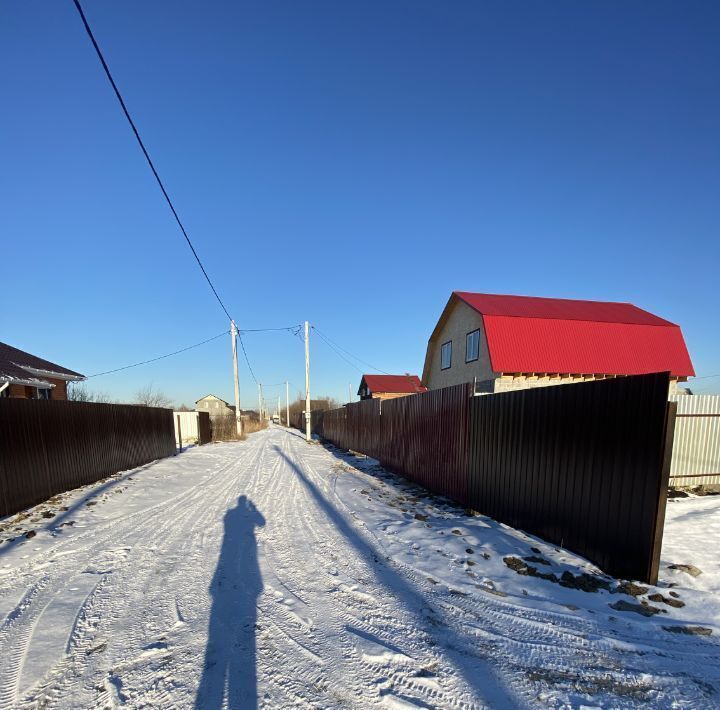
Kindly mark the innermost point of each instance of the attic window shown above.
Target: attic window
(446, 355)
(472, 346)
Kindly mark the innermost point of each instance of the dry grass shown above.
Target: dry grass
(225, 428)
(250, 426)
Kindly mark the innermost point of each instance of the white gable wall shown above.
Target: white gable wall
(461, 321)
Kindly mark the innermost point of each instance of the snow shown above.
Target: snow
(286, 574)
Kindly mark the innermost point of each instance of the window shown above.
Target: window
(472, 346)
(446, 355)
(43, 393)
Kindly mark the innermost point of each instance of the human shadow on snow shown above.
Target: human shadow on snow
(464, 652)
(230, 655)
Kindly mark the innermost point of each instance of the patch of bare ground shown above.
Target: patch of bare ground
(594, 685)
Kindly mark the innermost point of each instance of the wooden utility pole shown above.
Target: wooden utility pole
(308, 427)
(287, 403)
(262, 402)
(238, 414)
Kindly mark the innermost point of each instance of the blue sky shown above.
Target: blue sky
(350, 164)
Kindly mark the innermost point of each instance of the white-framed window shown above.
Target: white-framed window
(472, 346)
(43, 393)
(446, 355)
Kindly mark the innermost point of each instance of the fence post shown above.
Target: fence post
(179, 433)
(663, 492)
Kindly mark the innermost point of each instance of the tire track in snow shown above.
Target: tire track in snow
(522, 639)
(140, 599)
(358, 616)
(99, 539)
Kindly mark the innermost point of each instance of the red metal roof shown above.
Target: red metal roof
(559, 308)
(527, 334)
(405, 384)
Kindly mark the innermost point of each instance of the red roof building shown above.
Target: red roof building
(509, 342)
(389, 386)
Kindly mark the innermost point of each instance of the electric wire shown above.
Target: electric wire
(247, 359)
(155, 173)
(291, 328)
(161, 357)
(340, 355)
(147, 155)
(335, 345)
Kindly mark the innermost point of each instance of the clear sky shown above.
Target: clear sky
(350, 164)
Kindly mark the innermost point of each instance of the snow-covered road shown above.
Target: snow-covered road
(283, 574)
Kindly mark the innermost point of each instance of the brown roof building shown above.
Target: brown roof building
(27, 376)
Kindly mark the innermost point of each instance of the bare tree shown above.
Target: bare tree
(148, 397)
(183, 408)
(78, 392)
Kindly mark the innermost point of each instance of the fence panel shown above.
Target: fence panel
(194, 427)
(47, 447)
(422, 437)
(204, 428)
(584, 466)
(696, 451)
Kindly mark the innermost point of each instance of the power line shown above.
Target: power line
(339, 354)
(247, 360)
(705, 377)
(161, 357)
(335, 345)
(291, 328)
(147, 155)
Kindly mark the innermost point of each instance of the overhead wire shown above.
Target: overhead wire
(339, 354)
(166, 195)
(337, 347)
(161, 357)
(247, 359)
(99, 53)
(265, 330)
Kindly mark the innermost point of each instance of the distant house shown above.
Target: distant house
(26, 376)
(214, 406)
(389, 386)
(514, 342)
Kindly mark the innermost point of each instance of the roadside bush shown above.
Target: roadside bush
(224, 428)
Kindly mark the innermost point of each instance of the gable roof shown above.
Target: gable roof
(527, 334)
(559, 309)
(212, 396)
(20, 367)
(405, 384)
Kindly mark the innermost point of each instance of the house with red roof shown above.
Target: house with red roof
(389, 386)
(513, 342)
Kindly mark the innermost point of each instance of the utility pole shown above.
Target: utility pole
(287, 403)
(259, 402)
(278, 410)
(349, 392)
(262, 402)
(238, 416)
(308, 427)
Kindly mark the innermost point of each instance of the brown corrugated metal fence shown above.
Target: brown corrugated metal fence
(422, 437)
(47, 447)
(584, 466)
(204, 428)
